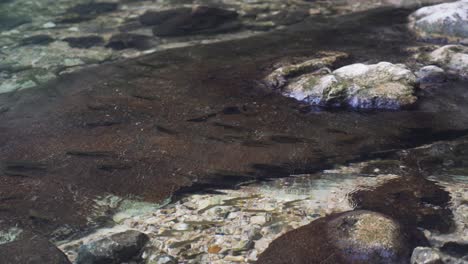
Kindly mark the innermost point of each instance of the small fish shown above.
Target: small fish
(202, 118)
(90, 153)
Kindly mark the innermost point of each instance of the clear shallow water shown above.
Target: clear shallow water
(155, 124)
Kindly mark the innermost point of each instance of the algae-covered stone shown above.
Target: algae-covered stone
(350, 237)
(454, 58)
(448, 21)
(281, 76)
(117, 248)
(383, 85)
(369, 237)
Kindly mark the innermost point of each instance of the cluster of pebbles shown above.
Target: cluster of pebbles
(228, 226)
(236, 226)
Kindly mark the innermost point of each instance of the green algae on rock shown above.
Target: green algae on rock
(454, 58)
(349, 237)
(383, 85)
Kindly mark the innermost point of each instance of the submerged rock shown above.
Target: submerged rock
(350, 237)
(431, 74)
(454, 58)
(117, 248)
(424, 255)
(383, 85)
(448, 22)
(286, 74)
(31, 249)
(199, 20)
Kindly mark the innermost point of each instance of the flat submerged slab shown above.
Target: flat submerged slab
(196, 117)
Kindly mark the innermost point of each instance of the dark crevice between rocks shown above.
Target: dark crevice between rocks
(458, 250)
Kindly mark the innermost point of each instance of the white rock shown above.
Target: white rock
(448, 21)
(454, 58)
(233, 215)
(424, 255)
(382, 85)
(234, 258)
(258, 220)
(49, 25)
(181, 226)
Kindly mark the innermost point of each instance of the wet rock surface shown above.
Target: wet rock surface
(31, 249)
(117, 248)
(454, 58)
(430, 75)
(383, 85)
(351, 237)
(443, 22)
(422, 255)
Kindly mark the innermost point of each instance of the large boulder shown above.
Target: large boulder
(453, 58)
(350, 237)
(31, 249)
(115, 249)
(383, 85)
(448, 22)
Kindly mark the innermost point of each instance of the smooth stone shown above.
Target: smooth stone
(429, 75)
(49, 25)
(350, 237)
(163, 259)
(448, 21)
(258, 220)
(117, 248)
(424, 255)
(234, 258)
(181, 226)
(453, 58)
(383, 86)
